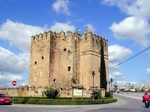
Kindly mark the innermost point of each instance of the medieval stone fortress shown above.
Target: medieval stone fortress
(74, 64)
(69, 61)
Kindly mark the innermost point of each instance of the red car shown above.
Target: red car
(5, 100)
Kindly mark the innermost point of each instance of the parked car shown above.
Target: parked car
(5, 100)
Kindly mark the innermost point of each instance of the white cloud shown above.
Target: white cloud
(9, 77)
(135, 27)
(117, 75)
(132, 28)
(61, 6)
(58, 27)
(140, 8)
(13, 63)
(148, 71)
(137, 8)
(118, 53)
(19, 34)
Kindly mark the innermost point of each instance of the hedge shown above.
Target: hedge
(43, 101)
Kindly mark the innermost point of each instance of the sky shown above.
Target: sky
(125, 23)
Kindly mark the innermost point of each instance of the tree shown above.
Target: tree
(97, 94)
(103, 68)
(51, 93)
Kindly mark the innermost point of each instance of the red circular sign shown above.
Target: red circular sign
(14, 83)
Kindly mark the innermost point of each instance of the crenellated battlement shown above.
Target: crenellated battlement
(84, 38)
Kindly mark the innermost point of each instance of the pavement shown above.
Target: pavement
(135, 95)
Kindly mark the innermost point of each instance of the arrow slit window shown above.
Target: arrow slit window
(35, 63)
(69, 68)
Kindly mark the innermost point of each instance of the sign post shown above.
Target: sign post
(14, 84)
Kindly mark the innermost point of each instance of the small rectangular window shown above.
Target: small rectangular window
(69, 68)
(65, 49)
(35, 63)
(42, 58)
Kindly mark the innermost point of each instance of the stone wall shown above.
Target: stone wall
(23, 91)
(26, 91)
(61, 60)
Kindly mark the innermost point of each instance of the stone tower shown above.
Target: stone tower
(62, 60)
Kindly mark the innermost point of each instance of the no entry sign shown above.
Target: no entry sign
(14, 83)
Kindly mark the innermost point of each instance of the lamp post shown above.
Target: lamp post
(116, 87)
(111, 81)
(93, 74)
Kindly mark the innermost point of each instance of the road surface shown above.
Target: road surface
(129, 104)
(124, 104)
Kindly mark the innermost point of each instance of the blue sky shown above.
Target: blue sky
(125, 23)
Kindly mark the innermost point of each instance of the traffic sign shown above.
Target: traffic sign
(14, 83)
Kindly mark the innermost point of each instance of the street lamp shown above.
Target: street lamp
(116, 86)
(111, 81)
(93, 74)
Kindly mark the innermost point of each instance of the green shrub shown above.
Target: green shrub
(71, 101)
(51, 93)
(107, 94)
(21, 100)
(65, 101)
(96, 94)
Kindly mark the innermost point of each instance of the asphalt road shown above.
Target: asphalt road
(124, 104)
(129, 105)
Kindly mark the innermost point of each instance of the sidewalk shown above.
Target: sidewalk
(131, 95)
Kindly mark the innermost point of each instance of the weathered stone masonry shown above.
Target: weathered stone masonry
(60, 60)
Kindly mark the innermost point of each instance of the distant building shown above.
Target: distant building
(67, 61)
(145, 88)
(126, 87)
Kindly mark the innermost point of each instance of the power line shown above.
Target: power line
(131, 57)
